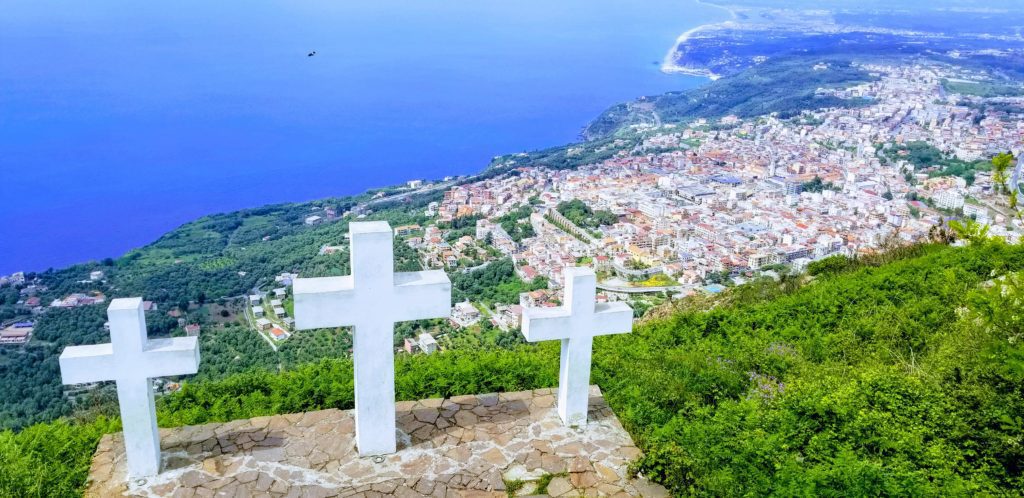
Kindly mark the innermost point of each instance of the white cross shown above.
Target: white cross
(372, 300)
(132, 360)
(576, 323)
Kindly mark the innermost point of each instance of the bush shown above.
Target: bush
(830, 266)
(905, 379)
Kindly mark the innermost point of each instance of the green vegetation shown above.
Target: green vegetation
(495, 283)
(545, 480)
(900, 379)
(232, 350)
(201, 263)
(925, 157)
(513, 487)
(984, 89)
(658, 280)
(582, 216)
(517, 223)
(783, 85)
(30, 387)
(50, 459)
(562, 157)
(1001, 171)
(817, 185)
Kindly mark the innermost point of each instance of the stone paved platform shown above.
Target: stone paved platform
(486, 445)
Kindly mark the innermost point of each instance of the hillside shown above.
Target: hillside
(900, 376)
(786, 86)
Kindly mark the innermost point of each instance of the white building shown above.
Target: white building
(949, 199)
(427, 343)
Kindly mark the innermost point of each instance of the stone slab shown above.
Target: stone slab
(464, 446)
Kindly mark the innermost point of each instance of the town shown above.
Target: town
(690, 208)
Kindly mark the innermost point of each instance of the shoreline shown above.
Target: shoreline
(669, 63)
(469, 175)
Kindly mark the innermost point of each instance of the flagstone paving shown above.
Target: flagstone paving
(472, 446)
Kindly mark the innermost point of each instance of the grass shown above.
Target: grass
(545, 480)
(513, 487)
(658, 280)
(985, 89)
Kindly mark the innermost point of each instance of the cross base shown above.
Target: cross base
(463, 446)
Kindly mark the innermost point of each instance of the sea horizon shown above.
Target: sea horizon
(216, 109)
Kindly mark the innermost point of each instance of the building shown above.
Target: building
(465, 314)
(278, 333)
(427, 343)
(257, 311)
(313, 220)
(264, 324)
(976, 211)
(192, 330)
(510, 316)
(949, 199)
(757, 260)
(19, 333)
(406, 230)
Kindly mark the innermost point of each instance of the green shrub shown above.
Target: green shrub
(905, 379)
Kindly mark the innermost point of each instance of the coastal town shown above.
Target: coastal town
(708, 204)
(688, 208)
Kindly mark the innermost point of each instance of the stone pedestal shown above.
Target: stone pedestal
(485, 445)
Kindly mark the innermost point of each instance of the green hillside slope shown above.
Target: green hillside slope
(902, 379)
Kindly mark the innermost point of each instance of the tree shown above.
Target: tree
(1001, 164)
(970, 230)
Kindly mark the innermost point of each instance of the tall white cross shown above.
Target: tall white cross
(132, 360)
(576, 323)
(372, 300)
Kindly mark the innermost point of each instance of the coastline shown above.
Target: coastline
(669, 64)
(163, 220)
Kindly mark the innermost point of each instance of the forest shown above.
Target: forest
(210, 260)
(900, 375)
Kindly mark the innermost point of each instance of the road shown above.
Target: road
(405, 195)
(640, 290)
(246, 310)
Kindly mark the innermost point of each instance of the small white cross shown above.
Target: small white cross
(372, 300)
(132, 361)
(576, 323)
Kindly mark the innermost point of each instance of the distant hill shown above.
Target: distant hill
(785, 86)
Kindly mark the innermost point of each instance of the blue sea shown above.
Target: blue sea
(120, 120)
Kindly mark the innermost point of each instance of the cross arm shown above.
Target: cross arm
(84, 364)
(420, 295)
(324, 302)
(174, 356)
(612, 318)
(545, 324)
